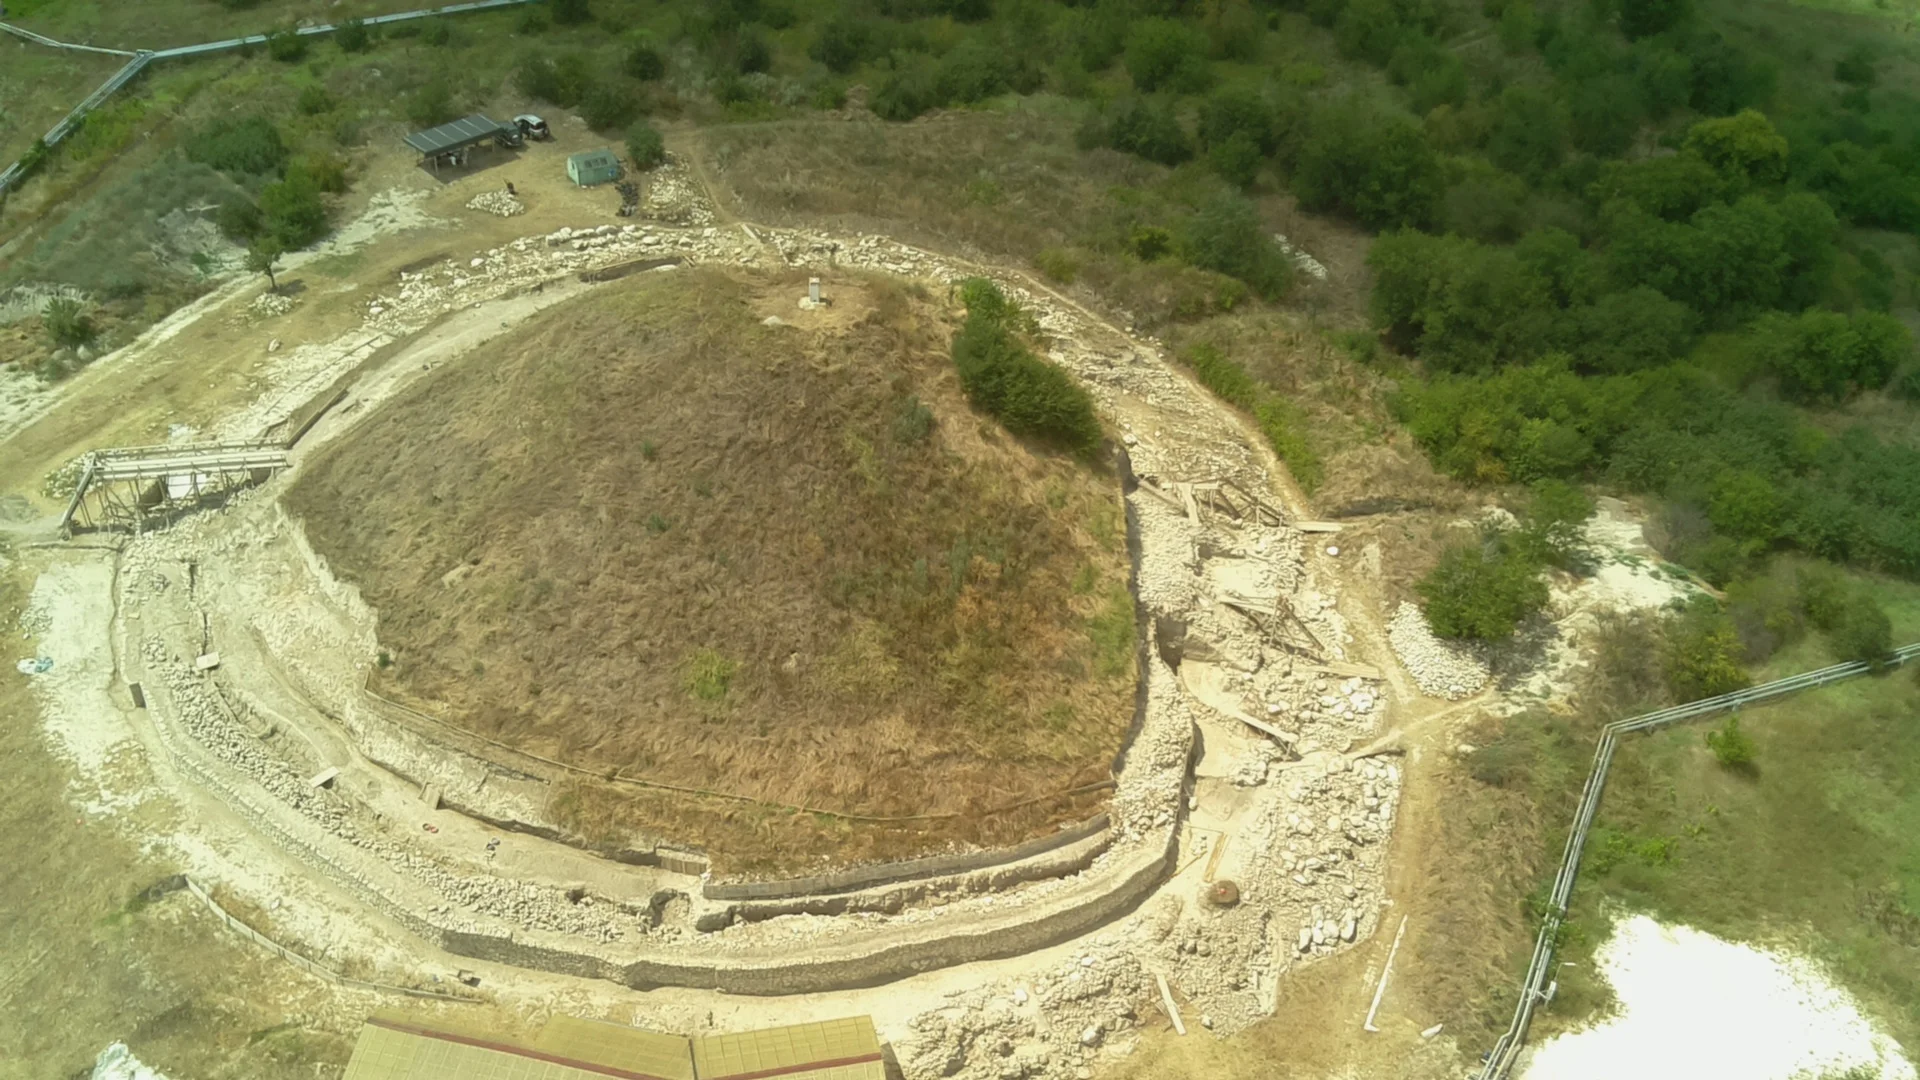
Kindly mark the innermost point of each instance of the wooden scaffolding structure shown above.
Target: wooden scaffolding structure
(136, 488)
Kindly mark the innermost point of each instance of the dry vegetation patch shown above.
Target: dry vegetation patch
(649, 532)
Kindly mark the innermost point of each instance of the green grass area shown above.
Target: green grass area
(1815, 848)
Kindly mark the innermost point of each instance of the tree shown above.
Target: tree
(1144, 127)
(570, 12)
(1237, 160)
(1460, 304)
(1673, 187)
(1824, 357)
(1165, 53)
(293, 214)
(1227, 236)
(845, 40)
(1744, 148)
(1645, 18)
(1239, 111)
(1372, 164)
(645, 146)
(262, 258)
(353, 36)
(1481, 591)
(1530, 132)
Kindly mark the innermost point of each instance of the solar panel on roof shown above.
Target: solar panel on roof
(469, 129)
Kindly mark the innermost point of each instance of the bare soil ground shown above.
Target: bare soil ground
(651, 533)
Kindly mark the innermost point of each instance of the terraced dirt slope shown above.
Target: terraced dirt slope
(649, 531)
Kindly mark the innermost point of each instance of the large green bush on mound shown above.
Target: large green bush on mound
(1003, 378)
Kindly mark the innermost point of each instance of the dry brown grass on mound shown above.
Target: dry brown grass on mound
(647, 532)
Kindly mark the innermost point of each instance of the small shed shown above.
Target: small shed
(592, 167)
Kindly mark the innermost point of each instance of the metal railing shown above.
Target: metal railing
(14, 173)
(1535, 988)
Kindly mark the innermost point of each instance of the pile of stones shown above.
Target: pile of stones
(497, 203)
(1442, 668)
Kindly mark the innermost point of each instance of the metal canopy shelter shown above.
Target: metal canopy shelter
(450, 142)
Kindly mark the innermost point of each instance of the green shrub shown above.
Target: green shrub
(570, 12)
(239, 219)
(315, 100)
(1149, 242)
(1227, 236)
(1481, 590)
(1165, 53)
(1731, 747)
(644, 61)
(1058, 265)
(286, 46)
(353, 36)
(292, 212)
(1281, 424)
(1029, 396)
(1375, 165)
(67, 324)
(1144, 127)
(845, 41)
(436, 32)
(1237, 160)
(1703, 653)
(1225, 377)
(707, 675)
(645, 146)
(432, 105)
(249, 146)
(565, 82)
(609, 108)
(913, 423)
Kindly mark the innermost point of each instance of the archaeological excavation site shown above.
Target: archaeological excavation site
(647, 605)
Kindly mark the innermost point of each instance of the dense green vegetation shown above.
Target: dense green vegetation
(1614, 245)
(1003, 378)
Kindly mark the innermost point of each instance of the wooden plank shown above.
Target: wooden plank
(1166, 1002)
(1153, 489)
(1337, 667)
(1318, 526)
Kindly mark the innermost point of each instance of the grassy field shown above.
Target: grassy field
(650, 533)
(1815, 848)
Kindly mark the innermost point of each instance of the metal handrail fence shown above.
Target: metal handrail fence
(1535, 988)
(14, 173)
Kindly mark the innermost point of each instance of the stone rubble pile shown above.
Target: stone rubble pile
(497, 203)
(674, 196)
(1442, 668)
(270, 304)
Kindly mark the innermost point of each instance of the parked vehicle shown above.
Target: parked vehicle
(532, 127)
